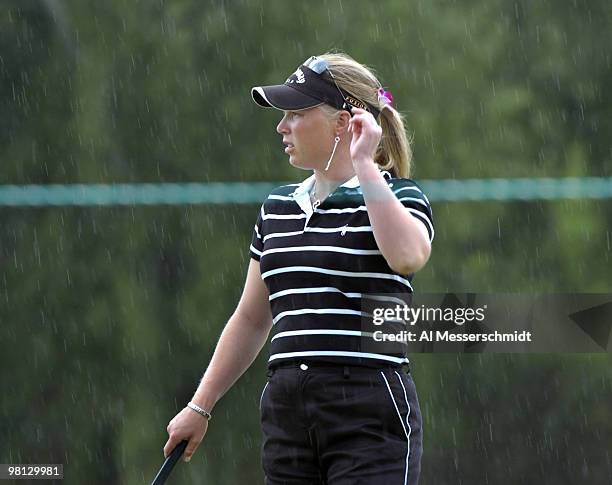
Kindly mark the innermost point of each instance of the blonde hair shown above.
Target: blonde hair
(394, 152)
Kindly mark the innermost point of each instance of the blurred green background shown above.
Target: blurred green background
(109, 315)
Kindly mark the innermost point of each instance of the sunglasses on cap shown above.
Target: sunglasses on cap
(321, 66)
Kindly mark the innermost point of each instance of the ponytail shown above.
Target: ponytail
(394, 152)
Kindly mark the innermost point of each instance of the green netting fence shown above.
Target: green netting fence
(448, 190)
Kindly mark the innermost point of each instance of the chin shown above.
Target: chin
(298, 164)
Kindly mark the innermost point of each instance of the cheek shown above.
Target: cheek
(314, 136)
(311, 140)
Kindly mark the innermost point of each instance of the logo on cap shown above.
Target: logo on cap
(356, 102)
(299, 75)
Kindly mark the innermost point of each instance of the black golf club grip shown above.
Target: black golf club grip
(166, 468)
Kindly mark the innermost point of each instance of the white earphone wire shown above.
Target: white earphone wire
(336, 140)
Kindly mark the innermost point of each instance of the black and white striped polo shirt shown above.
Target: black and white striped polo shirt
(319, 265)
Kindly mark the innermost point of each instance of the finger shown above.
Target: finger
(364, 117)
(170, 445)
(190, 450)
(362, 113)
(356, 121)
(361, 121)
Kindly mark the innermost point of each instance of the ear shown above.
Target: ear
(342, 122)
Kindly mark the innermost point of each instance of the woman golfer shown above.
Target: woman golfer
(336, 409)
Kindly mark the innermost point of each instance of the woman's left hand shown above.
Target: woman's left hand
(366, 136)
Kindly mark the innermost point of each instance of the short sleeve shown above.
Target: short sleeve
(414, 199)
(257, 240)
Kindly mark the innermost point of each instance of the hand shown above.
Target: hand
(186, 425)
(366, 135)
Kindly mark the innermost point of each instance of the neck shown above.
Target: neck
(340, 171)
(324, 185)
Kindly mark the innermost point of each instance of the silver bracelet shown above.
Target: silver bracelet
(199, 410)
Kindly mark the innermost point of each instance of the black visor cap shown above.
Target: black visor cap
(282, 97)
(304, 89)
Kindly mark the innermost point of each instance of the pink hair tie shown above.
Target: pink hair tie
(385, 97)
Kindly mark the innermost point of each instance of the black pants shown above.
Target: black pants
(340, 425)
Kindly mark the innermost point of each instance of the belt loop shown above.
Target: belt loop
(406, 367)
(270, 372)
(346, 372)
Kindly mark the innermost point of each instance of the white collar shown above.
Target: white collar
(302, 193)
(305, 186)
(351, 183)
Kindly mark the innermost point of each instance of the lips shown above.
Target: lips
(288, 146)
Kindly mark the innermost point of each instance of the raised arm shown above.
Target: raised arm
(391, 222)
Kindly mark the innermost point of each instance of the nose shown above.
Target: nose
(282, 127)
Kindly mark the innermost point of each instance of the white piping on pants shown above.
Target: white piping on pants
(401, 422)
(262, 395)
(399, 378)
